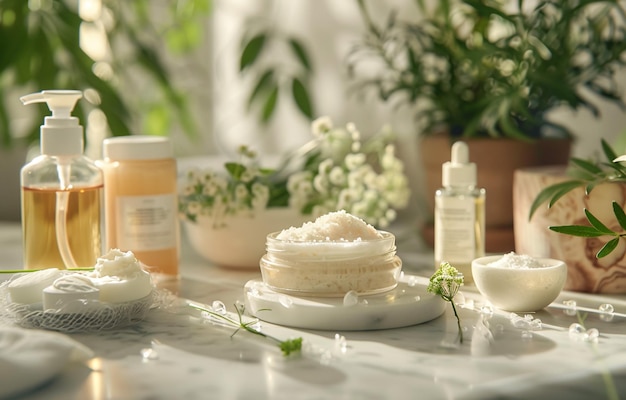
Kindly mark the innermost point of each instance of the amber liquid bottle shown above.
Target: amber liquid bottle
(82, 223)
(141, 206)
(61, 192)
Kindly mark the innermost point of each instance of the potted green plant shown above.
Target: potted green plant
(484, 70)
(585, 203)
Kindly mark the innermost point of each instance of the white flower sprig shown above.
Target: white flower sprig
(335, 171)
(244, 189)
(365, 179)
(446, 282)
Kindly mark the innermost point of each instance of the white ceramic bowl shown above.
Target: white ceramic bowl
(519, 289)
(240, 243)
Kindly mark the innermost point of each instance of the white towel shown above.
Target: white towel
(29, 357)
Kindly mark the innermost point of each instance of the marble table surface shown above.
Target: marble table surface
(176, 354)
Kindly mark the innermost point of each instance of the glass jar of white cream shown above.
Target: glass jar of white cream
(331, 268)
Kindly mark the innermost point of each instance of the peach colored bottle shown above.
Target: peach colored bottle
(140, 199)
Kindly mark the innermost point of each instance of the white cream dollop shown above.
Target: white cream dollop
(115, 262)
(120, 278)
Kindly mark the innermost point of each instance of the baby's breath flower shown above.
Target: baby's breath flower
(321, 126)
(241, 191)
(188, 189)
(194, 207)
(248, 175)
(210, 189)
(220, 182)
(351, 127)
(446, 282)
(260, 190)
(337, 176)
(320, 184)
(354, 160)
(340, 172)
(325, 166)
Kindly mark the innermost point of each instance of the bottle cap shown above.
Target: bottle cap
(459, 171)
(137, 147)
(61, 134)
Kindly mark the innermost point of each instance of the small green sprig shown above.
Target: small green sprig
(290, 346)
(446, 282)
(20, 271)
(597, 229)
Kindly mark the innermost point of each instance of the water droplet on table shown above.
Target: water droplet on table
(285, 301)
(351, 299)
(149, 354)
(570, 307)
(218, 307)
(606, 308)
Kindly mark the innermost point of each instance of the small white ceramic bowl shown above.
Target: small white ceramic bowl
(519, 289)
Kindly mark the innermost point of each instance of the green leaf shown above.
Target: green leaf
(553, 193)
(270, 105)
(586, 166)
(577, 230)
(262, 84)
(619, 215)
(608, 151)
(509, 128)
(301, 97)
(301, 53)
(596, 223)
(251, 51)
(619, 169)
(608, 248)
(235, 169)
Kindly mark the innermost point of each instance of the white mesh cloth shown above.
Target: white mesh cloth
(84, 315)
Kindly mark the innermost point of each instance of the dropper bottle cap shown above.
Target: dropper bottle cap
(459, 171)
(61, 134)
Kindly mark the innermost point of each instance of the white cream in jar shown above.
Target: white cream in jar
(331, 256)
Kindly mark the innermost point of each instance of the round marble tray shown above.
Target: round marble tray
(408, 304)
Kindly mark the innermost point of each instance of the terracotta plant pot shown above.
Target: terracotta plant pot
(585, 272)
(496, 160)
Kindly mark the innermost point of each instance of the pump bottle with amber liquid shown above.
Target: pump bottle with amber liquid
(61, 191)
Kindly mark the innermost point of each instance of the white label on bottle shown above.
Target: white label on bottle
(455, 224)
(146, 222)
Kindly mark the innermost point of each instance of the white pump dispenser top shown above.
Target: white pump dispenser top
(459, 171)
(61, 134)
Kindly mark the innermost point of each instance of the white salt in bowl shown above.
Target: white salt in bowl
(519, 289)
(331, 268)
